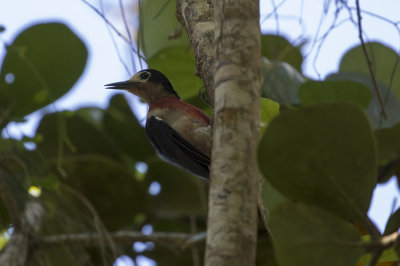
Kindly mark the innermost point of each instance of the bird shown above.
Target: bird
(179, 132)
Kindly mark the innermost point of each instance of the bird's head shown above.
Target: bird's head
(149, 84)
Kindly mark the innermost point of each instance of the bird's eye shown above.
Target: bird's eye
(144, 76)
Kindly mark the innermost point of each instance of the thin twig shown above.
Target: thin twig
(371, 70)
(276, 19)
(98, 223)
(140, 38)
(121, 6)
(394, 24)
(117, 50)
(107, 21)
(273, 12)
(377, 248)
(111, 26)
(385, 242)
(180, 240)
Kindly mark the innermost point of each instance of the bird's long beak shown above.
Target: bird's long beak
(122, 85)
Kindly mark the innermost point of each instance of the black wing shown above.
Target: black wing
(174, 148)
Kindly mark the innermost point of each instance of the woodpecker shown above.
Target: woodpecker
(178, 131)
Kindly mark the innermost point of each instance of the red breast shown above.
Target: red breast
(176, 104)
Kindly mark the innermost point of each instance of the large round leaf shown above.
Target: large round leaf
(178, 64)
(278, 48)
(305, 235)
(389, 143)
(281, 82)
(66, 133)
(312, 92)
(181, 193)
(270, 196)
(40, 66)
(124, 129)
(324, 155)
(384, 62)
(389, 153)
(374, 110)
(157, 23)
(113, 190)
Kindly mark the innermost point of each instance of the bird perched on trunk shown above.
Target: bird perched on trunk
(178, 131)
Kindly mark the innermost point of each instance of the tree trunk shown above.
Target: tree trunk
(233, 83)
(232, 220)
(197, 17)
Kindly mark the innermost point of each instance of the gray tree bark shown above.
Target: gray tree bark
(232, 220)
(225, 37)
(197, 17)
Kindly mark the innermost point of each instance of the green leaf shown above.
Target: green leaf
(4, 237)
(384, 62)
(374, 110)
(278, 48)
(389, 152)
(44, 62)
(178, 64)
(124, 129)
(305, 235)
(109, 186)
(67, 133)
(389, 255)
(157, 22)
(265, 251)
(312, 92)
(172, 200)
(393, 223)
(281, 82)
(270, 196)
(323, 155)
(388, 142)
(268, 110)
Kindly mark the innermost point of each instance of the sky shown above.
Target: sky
(104, 65)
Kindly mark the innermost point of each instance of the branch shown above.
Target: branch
(97, 222)
(385, 242)
(371, 70)
(180, 240)
(377, 248)
(197, 17)
(232, 217)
